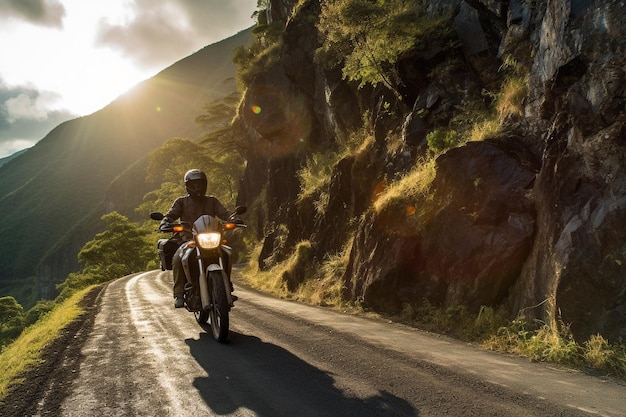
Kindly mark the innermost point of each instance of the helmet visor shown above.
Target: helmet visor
(195, 187)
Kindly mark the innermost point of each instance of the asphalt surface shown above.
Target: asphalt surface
(135, 355)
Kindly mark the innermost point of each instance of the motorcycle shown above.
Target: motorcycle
(207, 263)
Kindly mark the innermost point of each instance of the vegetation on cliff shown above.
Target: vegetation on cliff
(444, 148)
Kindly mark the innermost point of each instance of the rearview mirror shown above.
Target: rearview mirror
(156, 215)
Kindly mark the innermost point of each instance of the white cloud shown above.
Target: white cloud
(25, 107)
(48, 13)
(26, 116)
(156, 36)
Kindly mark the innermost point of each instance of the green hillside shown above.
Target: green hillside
(53, 194)
(13, 156)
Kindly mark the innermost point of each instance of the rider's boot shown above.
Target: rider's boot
(179, 301)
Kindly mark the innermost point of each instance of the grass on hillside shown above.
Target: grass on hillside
(402, 194)
(322, 285)
(315, 177)
(509, 101)
(25, 352)
(553, 342)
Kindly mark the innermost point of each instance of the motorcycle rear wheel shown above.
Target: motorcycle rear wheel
(219, 308)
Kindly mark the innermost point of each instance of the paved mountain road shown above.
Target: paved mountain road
(144, 358)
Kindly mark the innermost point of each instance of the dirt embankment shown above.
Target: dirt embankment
(46, 385)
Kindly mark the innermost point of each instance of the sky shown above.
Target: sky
(61, 59)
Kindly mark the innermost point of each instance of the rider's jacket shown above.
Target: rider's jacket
(188, 209)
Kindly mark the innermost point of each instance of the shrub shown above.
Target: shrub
(442, 140)
(553, 342)
(37, 311)
(599, 354)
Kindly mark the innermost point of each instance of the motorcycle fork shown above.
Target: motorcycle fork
(205, 294)
(185, 261)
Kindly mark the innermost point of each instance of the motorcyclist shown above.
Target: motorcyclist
(188, 208)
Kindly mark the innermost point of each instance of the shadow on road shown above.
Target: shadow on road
(268, 380)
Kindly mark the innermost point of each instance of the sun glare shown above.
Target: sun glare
(68, 60)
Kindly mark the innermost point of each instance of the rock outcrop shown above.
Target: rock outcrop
(533, 219)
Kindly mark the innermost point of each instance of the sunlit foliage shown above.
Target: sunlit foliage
(368, 37)
(508, 102)
(441, 140)
(405, 196)
(120, 250)
(25, 352)
(316, 174)
(253, 59)
(169, 163)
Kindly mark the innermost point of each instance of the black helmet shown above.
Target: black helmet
(195, 183)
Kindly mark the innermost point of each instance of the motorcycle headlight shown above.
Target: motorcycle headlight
(209, 240)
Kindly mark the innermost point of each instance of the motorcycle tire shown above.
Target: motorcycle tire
(201, 316)
(218, 312)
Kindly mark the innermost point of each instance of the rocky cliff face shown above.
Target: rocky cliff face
(533, 219)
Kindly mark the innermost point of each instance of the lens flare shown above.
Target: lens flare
(282, 120)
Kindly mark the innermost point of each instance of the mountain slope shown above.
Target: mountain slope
(62, 179)
(10, 157)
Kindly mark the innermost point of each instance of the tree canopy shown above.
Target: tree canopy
(11, 312)
(11, 319)
(120, 250)
(368, 37)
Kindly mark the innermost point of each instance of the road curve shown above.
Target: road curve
(144, 358)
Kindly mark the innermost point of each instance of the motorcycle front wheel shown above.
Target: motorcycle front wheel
(201, 316)
(218, 312)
